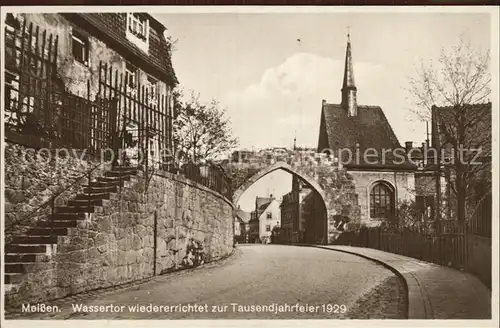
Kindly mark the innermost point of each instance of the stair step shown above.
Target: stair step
(124, 168)
(85, 202)
(47, 231)
(101, 189)
(101, 195)
(12, 278)
(74, 209)
(111, 183)
(123, 173)
(16, 267)
(114, 179)
(67, 216)
(26, 240)
(32, 249)
(24, 258)
(62, 223)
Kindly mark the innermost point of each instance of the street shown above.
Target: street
(286, 282)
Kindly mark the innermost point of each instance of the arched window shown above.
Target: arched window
(381, 201)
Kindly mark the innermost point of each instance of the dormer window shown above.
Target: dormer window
(138, 30)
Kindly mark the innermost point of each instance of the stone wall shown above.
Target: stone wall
(136, 234)
(33, 176)
(479, 257)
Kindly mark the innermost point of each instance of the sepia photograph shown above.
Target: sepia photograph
(262, 163)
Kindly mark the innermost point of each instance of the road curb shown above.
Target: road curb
(418, 304)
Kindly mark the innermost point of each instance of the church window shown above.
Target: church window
(382, 201)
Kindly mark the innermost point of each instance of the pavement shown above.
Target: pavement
(434, 291)
(257, 282)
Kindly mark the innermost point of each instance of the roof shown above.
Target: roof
(110, 27)
(368, 129)
(259, 201)
(262, 203)
(478, 133)
(243, 215)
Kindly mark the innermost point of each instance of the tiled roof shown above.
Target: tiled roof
(478, 134)
(243, 215)
(110, 27)
(259, 201)
(368, 129)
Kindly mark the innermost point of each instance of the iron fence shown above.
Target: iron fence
(209, 175)
(444, 245)
(125, 115)
(481, 220)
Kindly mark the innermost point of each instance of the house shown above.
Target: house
(365, 143)
(112, 74)
(264, 218)
(474, 150)
(242, 226)
(303, 215)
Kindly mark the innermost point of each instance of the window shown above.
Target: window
(269, 215)
(152, 88)
(138, 26)
(268, 227)
(130, 76)
(138, 30)
(80, 47)
(381, 201)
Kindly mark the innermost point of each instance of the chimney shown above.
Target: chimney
(323, 102)
(408, 145)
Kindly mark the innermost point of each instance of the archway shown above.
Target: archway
(277, 166)
(303, 220)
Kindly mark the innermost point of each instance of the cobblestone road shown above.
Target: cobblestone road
(326, 283)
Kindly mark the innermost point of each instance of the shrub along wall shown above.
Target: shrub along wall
(143, 230)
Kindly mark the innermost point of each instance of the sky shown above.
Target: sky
(272, 84)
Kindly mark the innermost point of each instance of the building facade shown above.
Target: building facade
(303, 215)
(111, 72)
(264, 218)
(242, 225)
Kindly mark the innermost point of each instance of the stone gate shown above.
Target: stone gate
(321, 172)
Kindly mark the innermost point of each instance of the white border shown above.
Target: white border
(492, 10)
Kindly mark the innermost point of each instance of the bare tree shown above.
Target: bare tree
(201, 131)
(455, 91)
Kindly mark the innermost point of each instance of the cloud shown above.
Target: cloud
(287, 98)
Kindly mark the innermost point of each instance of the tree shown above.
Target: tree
(455, 92)
(202, 132)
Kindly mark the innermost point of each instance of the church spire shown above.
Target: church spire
(349, 87)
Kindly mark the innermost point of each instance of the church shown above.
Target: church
(365, 143)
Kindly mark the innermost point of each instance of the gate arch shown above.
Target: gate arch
(271, 168)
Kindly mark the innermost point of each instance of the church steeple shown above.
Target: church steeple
(349, 87)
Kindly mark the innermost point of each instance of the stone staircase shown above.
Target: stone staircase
(38, 243)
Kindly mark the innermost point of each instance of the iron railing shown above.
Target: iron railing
(37, 102)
